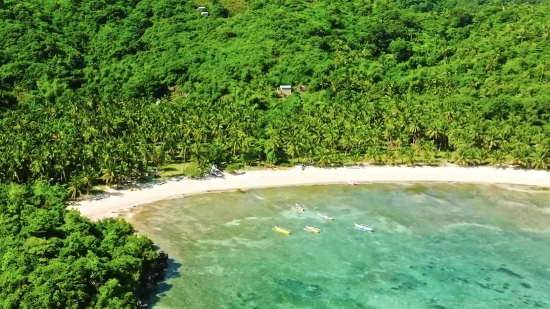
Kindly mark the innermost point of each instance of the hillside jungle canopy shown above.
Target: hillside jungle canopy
(390, 81)
(54, 258)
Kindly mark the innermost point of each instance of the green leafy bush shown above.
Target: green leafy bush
(193, 170)
(234, 167)
(54, 258)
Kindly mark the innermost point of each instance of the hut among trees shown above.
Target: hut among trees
(284, 90)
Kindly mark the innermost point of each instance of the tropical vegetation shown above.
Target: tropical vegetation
(54, 258)
(96, 91)
(101, 91)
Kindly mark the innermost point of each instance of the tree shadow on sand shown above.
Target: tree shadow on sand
(103, 195)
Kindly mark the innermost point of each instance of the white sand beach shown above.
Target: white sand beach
(118, 201)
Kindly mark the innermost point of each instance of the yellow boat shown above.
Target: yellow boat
(312, 229)
(281, 230)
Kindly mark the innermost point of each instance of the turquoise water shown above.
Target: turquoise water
(436, 246)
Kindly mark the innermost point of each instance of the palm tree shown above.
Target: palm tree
(539, 159)
(356, 156)
(108, 175)
(496, 158)
(87, 178)
(73, 187)
(372, 154)
(520, 155)
(428, 157)
(390, 157)
(292, 149)
(324, 158)
(464, 157)
(408, 157)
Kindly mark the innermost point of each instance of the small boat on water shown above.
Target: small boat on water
(281, 230)
(363, 228)
(353, 183)
(298, 207)
(312, 229)
(324, 216)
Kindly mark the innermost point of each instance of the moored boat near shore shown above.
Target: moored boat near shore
(324, 216)
(298, 207)
(364, 228)
(281, 230)
(312, 229)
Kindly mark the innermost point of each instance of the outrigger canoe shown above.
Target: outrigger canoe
(281, 230)
(324, 216)
(299, 207)
(364, 228)
(312, 229)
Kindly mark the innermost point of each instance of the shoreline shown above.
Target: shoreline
(123, 200)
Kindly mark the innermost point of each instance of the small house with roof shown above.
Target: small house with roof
(285, 90)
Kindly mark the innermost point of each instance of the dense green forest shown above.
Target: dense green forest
(54, 258)
(389, 81)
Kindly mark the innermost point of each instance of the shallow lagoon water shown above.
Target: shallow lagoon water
(436, 246)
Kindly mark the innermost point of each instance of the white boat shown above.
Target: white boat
(299, 207)
(364, 228)
(312, 229)
(353, 183)
(324, 216)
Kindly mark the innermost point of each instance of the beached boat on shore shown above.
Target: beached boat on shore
(364, 228)
(281, 230)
